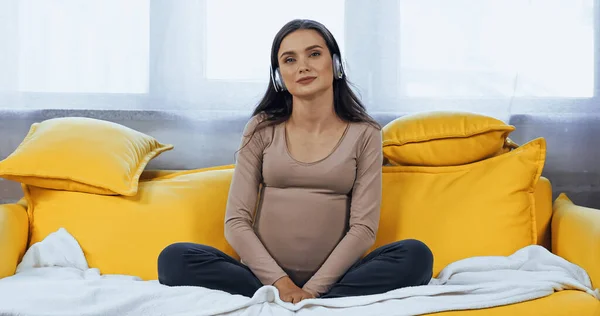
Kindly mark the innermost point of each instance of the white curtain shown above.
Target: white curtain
(498, 56)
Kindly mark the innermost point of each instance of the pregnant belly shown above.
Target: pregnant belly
(300, 228)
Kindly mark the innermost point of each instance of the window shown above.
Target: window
(213, 55)
(474, 48)
(73, 46)
(239, 33)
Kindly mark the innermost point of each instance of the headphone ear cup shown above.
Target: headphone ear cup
(273, 81)
(279, 81)
(338, 70)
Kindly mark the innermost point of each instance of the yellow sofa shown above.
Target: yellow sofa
(487, 198)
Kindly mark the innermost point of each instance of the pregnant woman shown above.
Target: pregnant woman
(305, 197)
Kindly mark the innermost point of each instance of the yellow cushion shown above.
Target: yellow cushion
(563, 303)
(167, 174)
(483, 208)
(124, 235)
(156, 173)
(82, 154)
(444, 138)
(13, 237)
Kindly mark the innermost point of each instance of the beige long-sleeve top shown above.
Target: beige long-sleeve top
(310, 221)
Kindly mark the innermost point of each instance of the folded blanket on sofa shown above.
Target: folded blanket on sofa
(54, 279)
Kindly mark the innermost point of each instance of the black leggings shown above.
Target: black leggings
(393, 266)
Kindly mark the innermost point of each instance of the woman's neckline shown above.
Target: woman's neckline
(331, 152)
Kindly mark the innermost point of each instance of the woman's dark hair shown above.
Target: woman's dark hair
(276, 107)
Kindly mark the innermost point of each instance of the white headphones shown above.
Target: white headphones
(338, 73)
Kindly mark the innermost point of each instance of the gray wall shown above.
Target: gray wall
(203, 140)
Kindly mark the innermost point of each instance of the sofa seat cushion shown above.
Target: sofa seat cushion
(486, 208)
(125, 235)
(563, 303)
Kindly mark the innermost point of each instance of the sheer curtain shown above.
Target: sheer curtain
(498, 56)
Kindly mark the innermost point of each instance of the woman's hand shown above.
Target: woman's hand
(290, 292)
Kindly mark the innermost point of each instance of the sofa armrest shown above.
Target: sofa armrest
(14, 232)
(576, 236)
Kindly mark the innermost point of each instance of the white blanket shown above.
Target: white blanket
(54, 279)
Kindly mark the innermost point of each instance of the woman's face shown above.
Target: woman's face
(305, 63)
